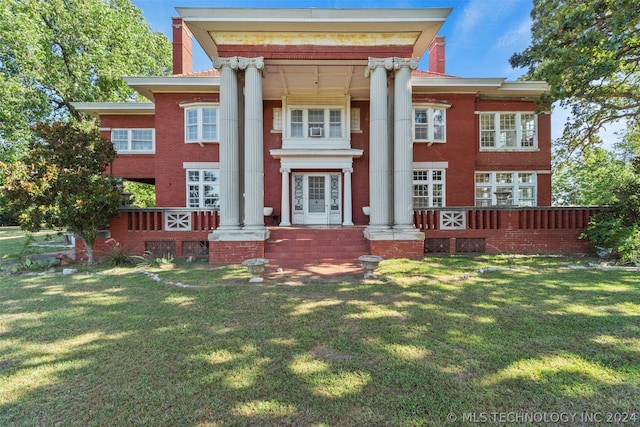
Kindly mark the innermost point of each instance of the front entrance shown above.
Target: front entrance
(316, 198)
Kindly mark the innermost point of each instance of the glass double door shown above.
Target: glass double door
(316, 198)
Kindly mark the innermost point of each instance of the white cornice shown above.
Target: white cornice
(147, 86)
(482, 86)
(124, 108)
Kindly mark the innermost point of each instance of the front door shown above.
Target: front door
(316, 199)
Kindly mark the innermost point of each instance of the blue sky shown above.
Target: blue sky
(481, 35)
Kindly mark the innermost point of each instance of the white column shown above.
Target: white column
(378, 144)
(253, 143)
(403, 145)
(285, 218)
(229, 146)
(347, 216)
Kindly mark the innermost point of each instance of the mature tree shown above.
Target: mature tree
(59, 183)
(56, 52)
(589, 179)
(589, 53)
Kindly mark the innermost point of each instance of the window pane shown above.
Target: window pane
(483, 177)
(504, 178)
(487, 130)
(193, 176)
(508, 130)
(192, 125)
(438, 124)
(421, 124)
(316, 116)
(194, 196)
(211, 176)
(335, 123)
(120, 140)
(528, 122)
(296, 123)
(209, 124)
(525, 178)
(211, 196)
(142, 139)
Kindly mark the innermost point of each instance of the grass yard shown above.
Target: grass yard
(13, 240)
(432, 343)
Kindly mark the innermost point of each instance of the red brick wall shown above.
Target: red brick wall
(130, 166)
(171, 150)
(234, 252)
(411, 249)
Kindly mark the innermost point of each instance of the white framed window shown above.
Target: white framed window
(428, 188)
(203, 188)
(201, 123)
(133, 140)
(508, 131)
(429, 123)
(505, 188)
(316, 123)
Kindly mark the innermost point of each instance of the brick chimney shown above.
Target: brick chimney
(182, 48)
(436, 55)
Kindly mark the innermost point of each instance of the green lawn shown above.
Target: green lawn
(429, 343)
(13, 240)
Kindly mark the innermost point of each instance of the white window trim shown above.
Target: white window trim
(129, 150)
(430, 182)
(198, 107)
(201, 185)
(496, 118)
(430, 108)
(342, 103)
(515, 185)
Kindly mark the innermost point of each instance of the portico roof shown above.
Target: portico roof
(219, 29)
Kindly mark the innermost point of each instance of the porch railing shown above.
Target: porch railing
(170, 219)
(523, 218)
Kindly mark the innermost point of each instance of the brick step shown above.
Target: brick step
(302, 245)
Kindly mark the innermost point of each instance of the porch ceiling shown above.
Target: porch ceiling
(312, 79)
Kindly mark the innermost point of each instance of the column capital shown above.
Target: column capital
(285, 170)
(411, 63)
(231, 62)
(244, 63)
(374, 63)
(347, 170)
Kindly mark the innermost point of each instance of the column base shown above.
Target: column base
(233, 247)
(396, 243)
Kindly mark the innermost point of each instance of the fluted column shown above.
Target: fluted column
(229, 146)
(285, 204)
(379, 198)
(347, 216)
(403, 145)
(253, 143)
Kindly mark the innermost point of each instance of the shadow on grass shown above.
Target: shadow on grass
(121, 349)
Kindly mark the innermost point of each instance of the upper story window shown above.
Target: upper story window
(133, 140)
(201, 123)
(316, 122)
(429, 124)
(508, 131)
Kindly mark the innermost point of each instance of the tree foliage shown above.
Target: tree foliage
(589, 53)
(56, 52)
(59, 182)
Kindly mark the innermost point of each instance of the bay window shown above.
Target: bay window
(429, 124)
(201, 124)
